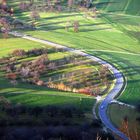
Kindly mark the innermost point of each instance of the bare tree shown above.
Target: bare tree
(76, 26)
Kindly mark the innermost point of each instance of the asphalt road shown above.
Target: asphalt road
(119, 83)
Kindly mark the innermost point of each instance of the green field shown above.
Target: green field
(113, 36)
(104, 37)
(32, 95)
(119, 6)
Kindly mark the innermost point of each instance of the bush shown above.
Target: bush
(36, 52)
(18, 52)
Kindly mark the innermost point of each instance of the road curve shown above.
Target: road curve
(119, 82)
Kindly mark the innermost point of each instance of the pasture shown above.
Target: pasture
(112, 35)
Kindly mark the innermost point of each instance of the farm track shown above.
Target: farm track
(118, 86)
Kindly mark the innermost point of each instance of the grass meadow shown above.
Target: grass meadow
(113, 36)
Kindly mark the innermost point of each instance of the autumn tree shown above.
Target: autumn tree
(76, 26)
(18, 52)
(70, 4)
(5, 12)
(34, 15)
(103, 72)
(11, 76)
(94, 10)
(68, 24)
(5, 27)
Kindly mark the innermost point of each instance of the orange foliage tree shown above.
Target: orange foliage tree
(129, 129)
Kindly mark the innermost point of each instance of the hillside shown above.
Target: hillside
(131, 7)
(121, 6)
(42, 85)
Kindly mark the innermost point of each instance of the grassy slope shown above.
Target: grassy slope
(123, 36)
(107, 33)
(34, 95)
(120, 6)
(129, 65)
(123, 112)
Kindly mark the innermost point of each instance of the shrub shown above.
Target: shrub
(36, 52)
(11, 76)
(18, 52)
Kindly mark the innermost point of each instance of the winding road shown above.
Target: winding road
(118, 86)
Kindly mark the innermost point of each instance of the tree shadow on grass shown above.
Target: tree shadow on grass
(90, 30)
(103, 4)
(51, 27)
(62, 16)
(134, 34)
(130, 70)
(41, 25)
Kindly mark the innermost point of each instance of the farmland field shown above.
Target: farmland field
(106, 39)
(21, 91)
(106, 29)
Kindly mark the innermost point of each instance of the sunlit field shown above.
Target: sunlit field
(71, 86)
(105, 36)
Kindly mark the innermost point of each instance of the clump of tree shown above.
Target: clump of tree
(4, 27)
(84, 81)
(25, 5)
(36, 52)
(85, 3)
(18, 52)
(55, 5)
(5, 13)
(76, 26)
(34, 15)
(31, 71)
(88, 82)
(26, 71)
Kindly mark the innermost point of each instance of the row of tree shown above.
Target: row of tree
(52, 5)
(86, 81)
(32, 6)
(5, 12)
